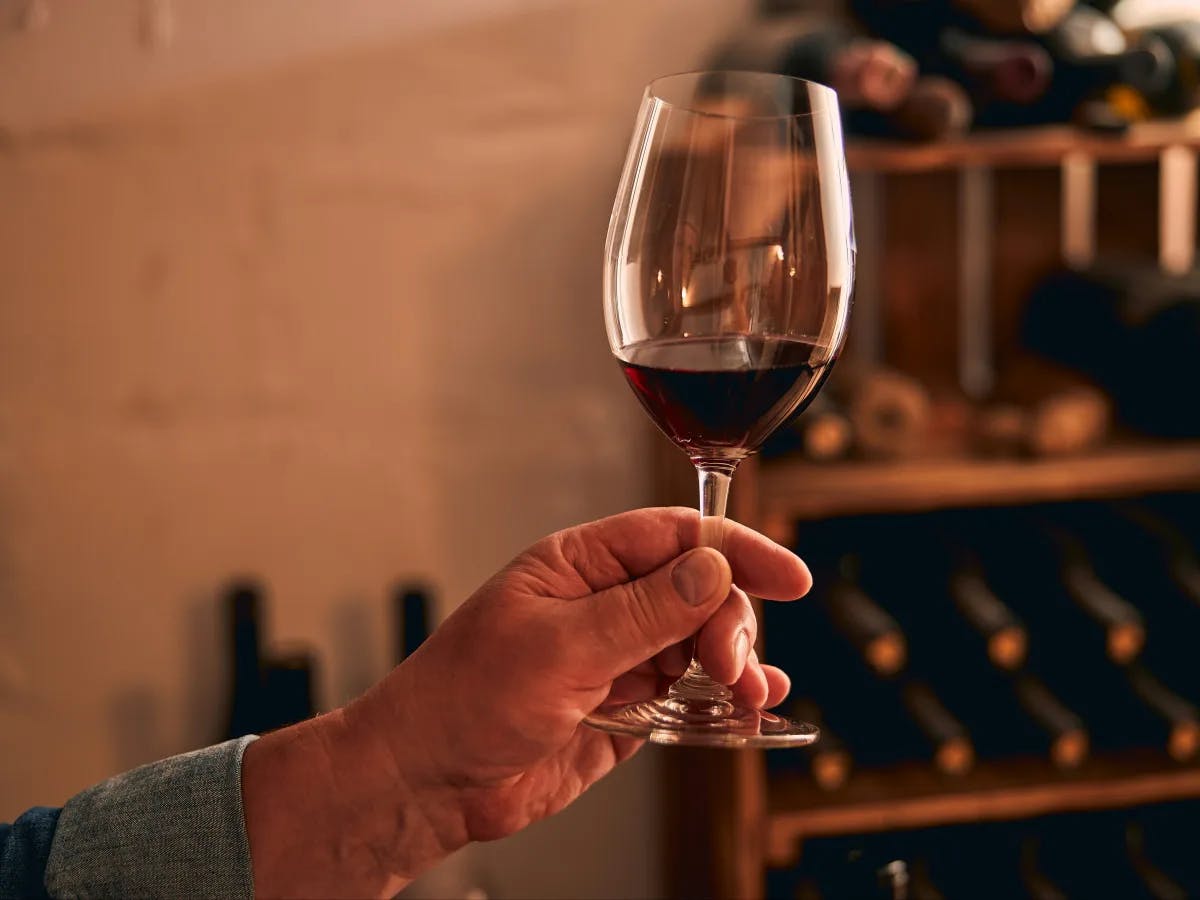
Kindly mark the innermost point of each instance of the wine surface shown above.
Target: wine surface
(722, 397)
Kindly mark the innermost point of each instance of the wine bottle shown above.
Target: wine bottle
(869, 73)
(410, 619)
(935, 109)
(1130, 313)
(1122, 623)
(953, 752)
(865, 625)
(1182, 92)
(243, 606)
(988, 615)
(1095, 70)
(1069, 420)
(1161, 550)
(1153, 566)
(888, 410)
(1091, 55)
(1065, 423)
(822, 434)
(1164, 835)
(1041, 409)
(825, 435)
(1088, 856)
(1128, 707)
(1180, 717)
(829, 760)
(995, 70)
(287, 695)
(1035, 882)
(1069, 742)
(1156, 881)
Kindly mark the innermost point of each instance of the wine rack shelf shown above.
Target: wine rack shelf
(790, 490)
(1025, 147)
(949, 250)
(915, 796)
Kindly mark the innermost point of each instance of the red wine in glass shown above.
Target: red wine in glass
(721, 395)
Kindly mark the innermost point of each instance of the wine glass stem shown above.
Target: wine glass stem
(695, 686)
(714, 494)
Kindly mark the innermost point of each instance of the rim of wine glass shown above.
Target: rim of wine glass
(824, 90)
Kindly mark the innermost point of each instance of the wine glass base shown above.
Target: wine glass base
(672, 721)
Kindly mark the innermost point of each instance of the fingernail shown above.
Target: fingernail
(697, 576)
(741, 650)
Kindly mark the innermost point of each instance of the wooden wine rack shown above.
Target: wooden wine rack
(796, 490)
(951, 238)
(1027, 147)
(913, 796)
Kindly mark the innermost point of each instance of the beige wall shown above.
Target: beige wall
(61, 58)
(334, 323)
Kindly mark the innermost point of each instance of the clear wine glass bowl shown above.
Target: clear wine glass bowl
(728, 273)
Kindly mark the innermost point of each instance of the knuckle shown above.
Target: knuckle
(745, 616)
(644, 609)
(750, 624)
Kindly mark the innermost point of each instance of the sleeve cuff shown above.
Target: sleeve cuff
(169, 829)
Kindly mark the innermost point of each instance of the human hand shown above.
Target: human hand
(479, 733)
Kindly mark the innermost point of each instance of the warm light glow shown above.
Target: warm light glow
(660, 276)
(792, 271)
(779, 252)
(683, 295)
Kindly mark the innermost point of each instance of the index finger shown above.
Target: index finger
(640, 541)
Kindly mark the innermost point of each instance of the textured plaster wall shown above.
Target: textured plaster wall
(332, 322)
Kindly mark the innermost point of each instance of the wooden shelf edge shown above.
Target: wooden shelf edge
(801, 490)
(785, 828)
(1039, 146)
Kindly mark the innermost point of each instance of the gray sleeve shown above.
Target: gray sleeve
(169, 829)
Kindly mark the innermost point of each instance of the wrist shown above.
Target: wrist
(329, 812)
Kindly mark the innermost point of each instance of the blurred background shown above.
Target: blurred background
(302, 339)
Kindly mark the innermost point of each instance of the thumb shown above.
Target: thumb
(629, 623)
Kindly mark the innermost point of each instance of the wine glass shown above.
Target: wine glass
(727, 280)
